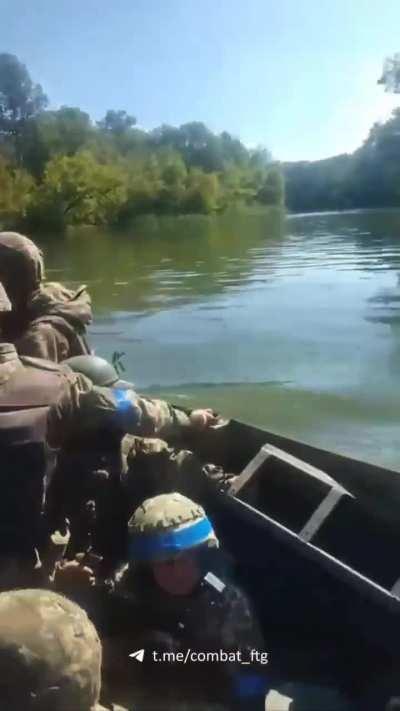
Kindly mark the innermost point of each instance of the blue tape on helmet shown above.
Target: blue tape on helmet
(247, 684)
(169, 543)
(125, 404)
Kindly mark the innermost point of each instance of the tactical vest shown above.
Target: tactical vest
(25, 458)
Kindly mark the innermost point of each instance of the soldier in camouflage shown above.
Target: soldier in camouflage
(170, 599)
(50, 654)
(102, 475)
(153, 467)
(48, 320)
(44, 403)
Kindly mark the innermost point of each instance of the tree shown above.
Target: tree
(77, 189)
(62, 132)
(16, 190)
(203, 192)
(117, 122)
(272, 192)
(76, 171)
(173, 176)
(20, 99)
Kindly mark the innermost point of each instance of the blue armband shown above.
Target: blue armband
(126, 406)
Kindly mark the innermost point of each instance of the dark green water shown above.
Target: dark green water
(291, 323)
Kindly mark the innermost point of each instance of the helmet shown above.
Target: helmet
(50, 653)
(21, 264)
(5, 304)
(98, 370)
(166, 525)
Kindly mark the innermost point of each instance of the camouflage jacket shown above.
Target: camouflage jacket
(90, 485)
(98, 409)
(99, 482)
(153, 467)
(56, 322)
(217, 617)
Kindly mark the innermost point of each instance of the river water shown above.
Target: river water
(292, 323)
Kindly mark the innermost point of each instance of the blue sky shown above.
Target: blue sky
(298, 76)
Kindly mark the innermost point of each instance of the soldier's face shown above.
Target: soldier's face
(178, 576)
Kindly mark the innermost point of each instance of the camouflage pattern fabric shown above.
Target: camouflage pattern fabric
(83, 409)
(207, 621)
(48, 320)
(57, 319)
(95, 474)
(50, 653)
(86, 487)
(75, 385)
(98, 407)
(153, 467)
(21, 264)
(211, 618)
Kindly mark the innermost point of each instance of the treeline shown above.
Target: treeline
(59, 167)
(370, 177)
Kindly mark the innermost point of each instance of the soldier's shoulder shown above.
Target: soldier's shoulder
(42, 364)
(229, 593)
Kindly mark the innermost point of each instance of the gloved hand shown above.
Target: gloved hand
(218, 476)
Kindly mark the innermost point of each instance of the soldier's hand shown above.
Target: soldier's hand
(201, 419)
(221, 479)
(74, 575)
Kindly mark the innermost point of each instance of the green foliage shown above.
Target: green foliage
(203, 191)
(370, 177)
(20, 99)
(116, 122)
(272, 190)
(322, 184)
(16, 190)
(51, 133)
(78, 189)
(79, 172)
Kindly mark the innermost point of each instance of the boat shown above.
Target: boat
(315, 539)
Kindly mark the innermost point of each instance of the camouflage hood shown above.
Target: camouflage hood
(54, 299)
(21, 265)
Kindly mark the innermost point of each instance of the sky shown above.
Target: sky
(296, 76)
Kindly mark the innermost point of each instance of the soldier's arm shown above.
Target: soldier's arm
(161, 419)
(78, 402)
(84, 406)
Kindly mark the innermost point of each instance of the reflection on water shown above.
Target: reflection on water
(290, 323)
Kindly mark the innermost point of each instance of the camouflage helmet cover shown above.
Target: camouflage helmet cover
(5, 303)
(50, 653)
(167, 524)
(21, 262)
